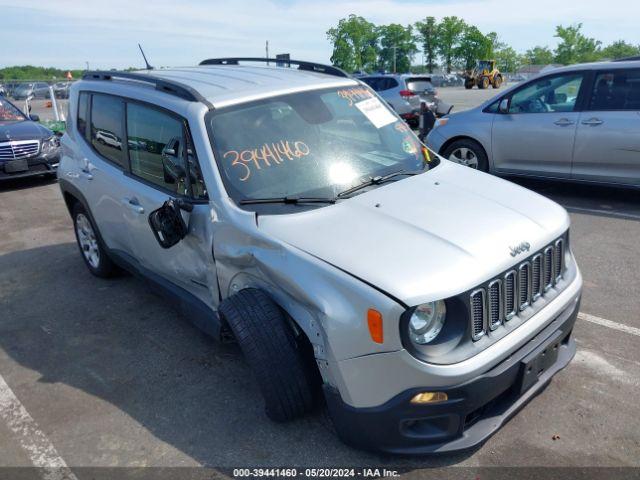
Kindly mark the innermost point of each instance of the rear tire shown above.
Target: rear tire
(484, 83)
(468, 85)
(272, 351)
(90, 244)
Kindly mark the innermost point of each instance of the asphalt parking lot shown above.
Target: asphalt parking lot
(106, 373)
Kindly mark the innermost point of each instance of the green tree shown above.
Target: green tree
(508, 60)
(449, 32)
(538, 56)
(396, 41)
(473, 46)
(427, 31)
(574, 47)
(354, 43)
(620, 49)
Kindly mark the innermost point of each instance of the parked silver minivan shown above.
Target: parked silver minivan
(293, 212)
(579, 123)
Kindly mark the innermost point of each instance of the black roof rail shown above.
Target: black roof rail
(161, 84)
(627, 59)
(302, 65)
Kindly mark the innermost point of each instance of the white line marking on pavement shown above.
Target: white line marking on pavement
(40, 450)
(610, 213)
(608, 323)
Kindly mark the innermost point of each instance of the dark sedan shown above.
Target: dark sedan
(26, 147)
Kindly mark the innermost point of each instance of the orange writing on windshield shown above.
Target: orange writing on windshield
(354, 94)
(265, 156)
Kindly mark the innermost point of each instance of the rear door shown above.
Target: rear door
(101, 166)
(607, 147)
(536, 135)
(164, 165)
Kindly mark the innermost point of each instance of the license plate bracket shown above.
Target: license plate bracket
(16, 166)
(539, 361)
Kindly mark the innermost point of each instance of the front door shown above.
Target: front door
(163, 165)
(607, 145)
(536, 135)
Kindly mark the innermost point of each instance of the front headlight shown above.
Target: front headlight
(426, 322)
(50, 145)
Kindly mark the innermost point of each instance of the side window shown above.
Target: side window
(83, 113)
(616, 90)
(373, 83)
(158, 151)
(555, 94)
(390, 83)
(107, 113)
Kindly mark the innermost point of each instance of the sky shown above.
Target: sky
(105, 33)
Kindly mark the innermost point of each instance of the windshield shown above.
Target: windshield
(9, 113)
(313, 143)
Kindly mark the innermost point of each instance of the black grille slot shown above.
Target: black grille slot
(510, 295)
(536, 277)
(524, 285)
(548, 268)
(477, 314)
(495, 304)
(559, 259)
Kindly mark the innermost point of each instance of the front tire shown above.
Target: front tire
(497, 81)
(272, 351)
(469, 153)
(90, 244)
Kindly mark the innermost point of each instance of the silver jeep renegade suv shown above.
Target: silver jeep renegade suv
(291, 211)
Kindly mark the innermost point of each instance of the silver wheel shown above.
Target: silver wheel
(464, 156)
(87, 240)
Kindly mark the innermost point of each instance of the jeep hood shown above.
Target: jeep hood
(425, 237)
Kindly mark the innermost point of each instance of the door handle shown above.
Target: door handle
(133, 204)
(563, 122)
(592, 121)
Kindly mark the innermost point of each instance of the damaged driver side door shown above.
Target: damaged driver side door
(168, 193)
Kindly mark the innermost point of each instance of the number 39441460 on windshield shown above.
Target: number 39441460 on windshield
(265, 156)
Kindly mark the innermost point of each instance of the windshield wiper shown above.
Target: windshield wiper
(289, 200)
(377, 181)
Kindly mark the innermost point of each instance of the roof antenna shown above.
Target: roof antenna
(149, 67)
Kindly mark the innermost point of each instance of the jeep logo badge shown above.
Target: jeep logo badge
(518, 249)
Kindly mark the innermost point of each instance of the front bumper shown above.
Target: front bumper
(474, 410)
(36, 166)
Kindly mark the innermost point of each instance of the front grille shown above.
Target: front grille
(510, 295)
(524, 285)
(559, 259)
(18, 149)
(548, 268)
(517, 290)
(495, 304)
(536, 277)
(478, 310)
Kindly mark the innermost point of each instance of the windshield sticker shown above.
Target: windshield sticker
(401, 126)
(354, 94)
(376, 112)
(426, 154)
(408, 146)
(266, 155)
